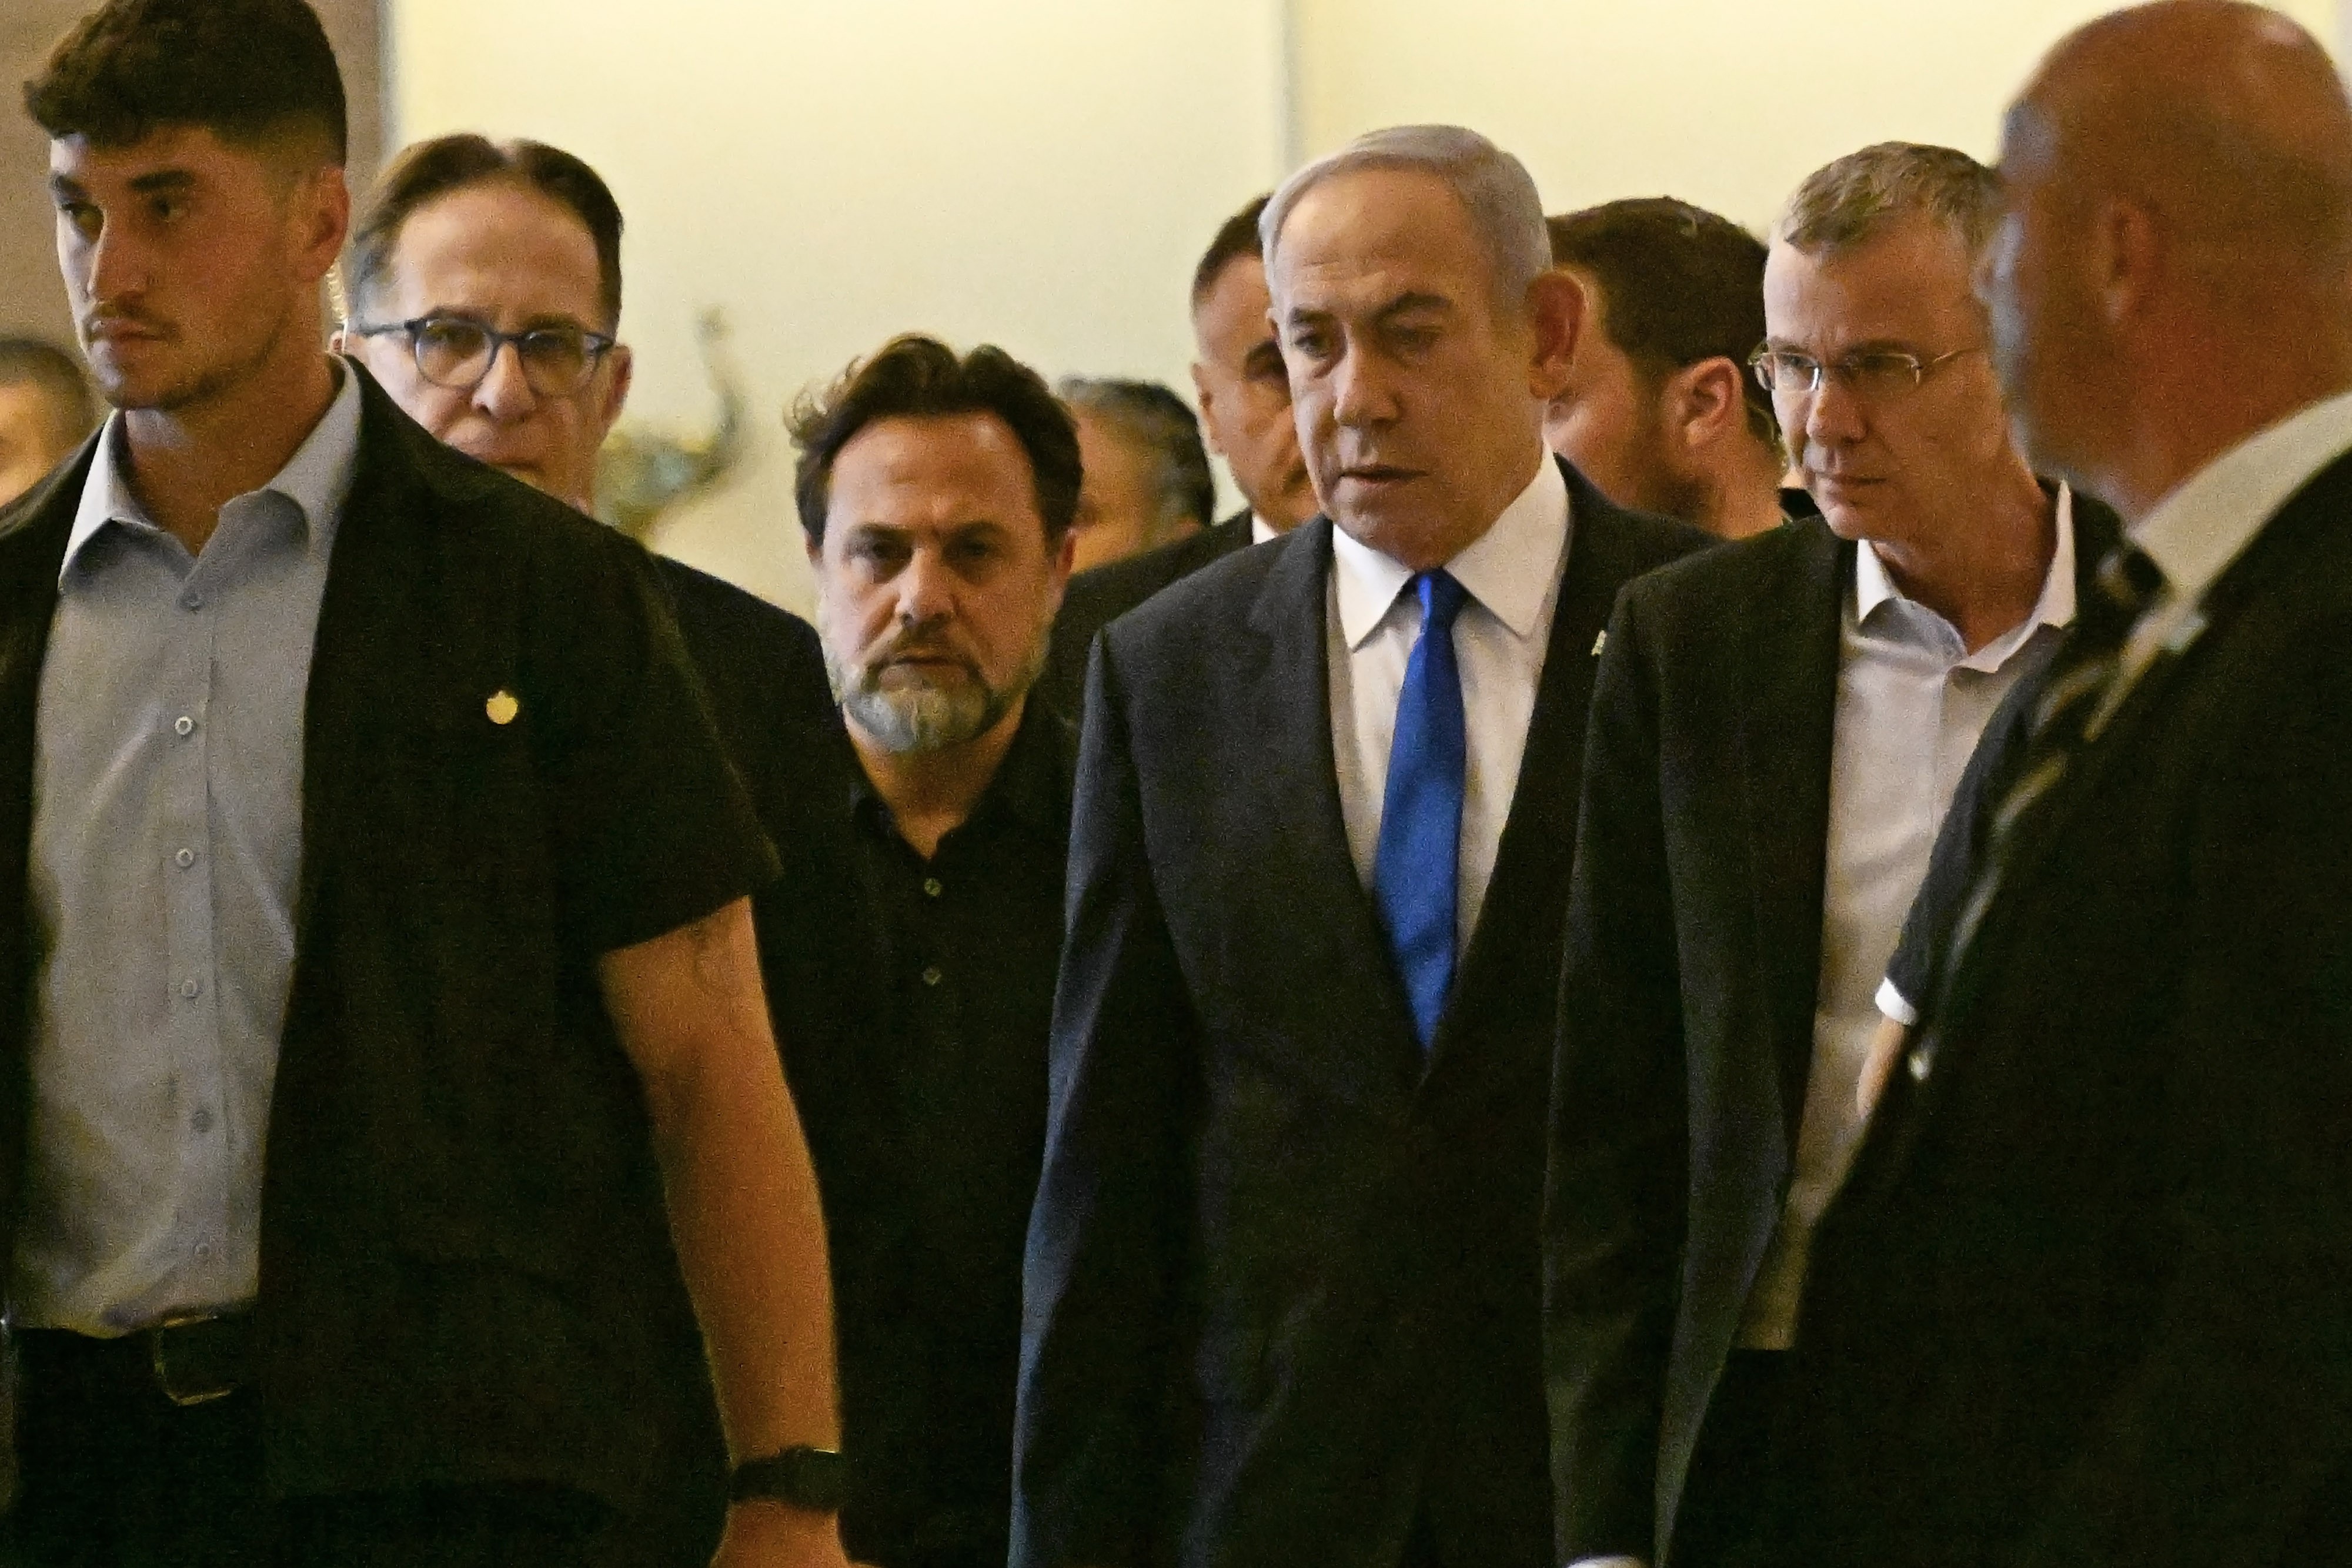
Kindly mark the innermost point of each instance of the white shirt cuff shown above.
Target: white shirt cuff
(1893, 1003)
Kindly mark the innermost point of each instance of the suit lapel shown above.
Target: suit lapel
(1786, 673)
(1538, 843)
(1297, 798)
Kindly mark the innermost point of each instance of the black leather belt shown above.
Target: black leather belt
(189, 1360)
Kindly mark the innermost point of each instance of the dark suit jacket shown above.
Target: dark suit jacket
(1255, 1198)
(2082, 1299)
(1694, 948)
(465, 1269)
(1099, 597)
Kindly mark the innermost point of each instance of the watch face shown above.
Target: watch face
(813, 1478)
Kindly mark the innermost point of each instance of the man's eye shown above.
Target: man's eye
(1310, 343)
(86, 219)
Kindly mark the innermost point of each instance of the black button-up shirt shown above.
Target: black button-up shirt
(914, 1019)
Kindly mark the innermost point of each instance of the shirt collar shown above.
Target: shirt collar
(316, 478)
(1872, 586)
(2195, 532)
(1510, 568)
(1262, 532)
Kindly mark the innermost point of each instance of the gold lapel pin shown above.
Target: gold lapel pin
(502, 707)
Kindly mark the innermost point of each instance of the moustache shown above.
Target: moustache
(917, 643)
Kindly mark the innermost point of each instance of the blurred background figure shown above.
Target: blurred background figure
(45, 410)
(1660, 412)
(1244, 394)
(1148, 482)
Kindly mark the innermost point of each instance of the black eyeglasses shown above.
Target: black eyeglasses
(1878, 373)
(455, 352)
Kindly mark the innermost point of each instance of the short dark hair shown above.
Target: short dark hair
(1236, 237)
(56, 375)
(1147, 415)
(428, 170)
(250, 71)
(916, 377)
(1678, 285)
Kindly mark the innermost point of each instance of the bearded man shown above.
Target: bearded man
(913, 941)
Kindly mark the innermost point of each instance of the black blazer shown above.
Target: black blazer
(1281, 1302)
(465, 1269)
(1097, 598)
(1694, 947)
(2082, 1299)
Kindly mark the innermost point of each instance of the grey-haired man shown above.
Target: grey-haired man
(1281, 1291)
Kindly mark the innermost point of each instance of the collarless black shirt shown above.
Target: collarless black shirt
(919, 1057)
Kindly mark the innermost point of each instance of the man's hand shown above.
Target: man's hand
(1886, 1044)
(765, 1535)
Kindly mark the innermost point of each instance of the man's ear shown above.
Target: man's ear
(2124, 258)
(1206, 399)
(320, 213)
(1557, 308)
(616, 389)
(1706, 402)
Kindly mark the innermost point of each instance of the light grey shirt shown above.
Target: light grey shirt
(167, 803)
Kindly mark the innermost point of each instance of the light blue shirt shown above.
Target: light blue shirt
(166, 849)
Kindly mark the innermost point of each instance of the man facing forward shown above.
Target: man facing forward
(1325, 810)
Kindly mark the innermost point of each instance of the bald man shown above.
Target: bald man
(2083, 1298)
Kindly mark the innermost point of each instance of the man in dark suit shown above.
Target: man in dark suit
(386, 947)
(1244, 396)
(1281, 1304)
(1778, 729)
(2081, 1299)
(916, 931)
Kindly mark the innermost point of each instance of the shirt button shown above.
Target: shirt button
(931, 887)
(186, 858)
(192, 601)
(191, 988)
(931, 975)
(184, 725)
(203, 1120)
(203, 1250)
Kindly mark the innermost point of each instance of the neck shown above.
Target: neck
(1426, 544)
(185, 462)
(932, 793)
(2184, 423)
(1744, 503)
(1982, 572)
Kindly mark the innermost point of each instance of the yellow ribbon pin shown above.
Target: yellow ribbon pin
(502, 707)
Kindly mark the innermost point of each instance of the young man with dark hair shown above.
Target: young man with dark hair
(471, 247)
(1660, 412)
(337, 1157)
(918, 948)
(46, 411)
(1245, 397)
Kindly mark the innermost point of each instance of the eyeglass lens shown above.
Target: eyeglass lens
(456, 353)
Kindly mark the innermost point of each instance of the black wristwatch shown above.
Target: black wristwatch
(814, 1479)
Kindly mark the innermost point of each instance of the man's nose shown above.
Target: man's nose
(1835, 414)
(116, 268)
(1361, 394)
(925, 588)
(504, 391)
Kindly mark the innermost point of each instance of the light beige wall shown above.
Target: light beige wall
(1039, 173)
(1728, 103)
(1042, 173)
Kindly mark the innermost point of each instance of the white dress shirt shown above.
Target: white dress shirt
(1262, 532)
(1512, 577)
(1912, 702)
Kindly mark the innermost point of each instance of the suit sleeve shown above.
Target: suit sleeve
(1615, 1183)
(1111, 1235)
(2231, 1443)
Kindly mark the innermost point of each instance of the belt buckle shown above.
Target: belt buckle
(160, 1361)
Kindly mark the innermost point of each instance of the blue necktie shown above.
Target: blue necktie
(1415, 871)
